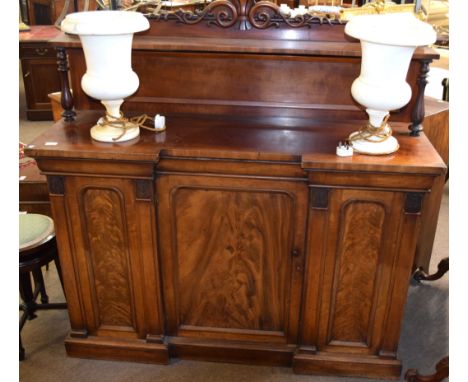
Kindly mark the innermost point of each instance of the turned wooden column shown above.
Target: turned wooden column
(418, 113)
(67, 99)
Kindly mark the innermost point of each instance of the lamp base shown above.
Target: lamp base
(370, 147)
(108, 133)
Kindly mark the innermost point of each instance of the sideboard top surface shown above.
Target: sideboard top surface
(310, 143)
(345, 48)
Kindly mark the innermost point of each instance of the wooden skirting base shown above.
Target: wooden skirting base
(346, 365)
(118, 350)
(232, 352)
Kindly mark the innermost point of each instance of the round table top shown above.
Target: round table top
(34, 229)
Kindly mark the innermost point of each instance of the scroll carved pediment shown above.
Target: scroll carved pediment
(246, 14)
(262, 14)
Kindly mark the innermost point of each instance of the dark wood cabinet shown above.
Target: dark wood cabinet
(238, 234)
(39, 70)
(238, 240)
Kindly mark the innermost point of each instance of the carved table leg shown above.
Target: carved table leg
(442, 371)
(67, 99)
(39, 281)
(418, 113)
(442, 269)
(28, 297)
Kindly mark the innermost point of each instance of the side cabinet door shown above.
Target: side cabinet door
(358, 269)
(111, 229)
(232, 256)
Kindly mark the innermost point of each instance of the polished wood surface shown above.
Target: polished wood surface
(436, 125)
(436, 128)
(295, 140)
(237, 239)
(285, 74)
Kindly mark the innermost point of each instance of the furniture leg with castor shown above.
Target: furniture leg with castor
(442, 268)
(442, 367)
(442, 372)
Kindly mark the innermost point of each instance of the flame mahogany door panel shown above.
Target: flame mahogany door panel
(232, 256)
(113, 292)
(355, 306)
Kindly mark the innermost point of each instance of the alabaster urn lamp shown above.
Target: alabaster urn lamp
(106, 37)
(388, 42)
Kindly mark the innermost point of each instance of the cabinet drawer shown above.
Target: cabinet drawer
(37, 50)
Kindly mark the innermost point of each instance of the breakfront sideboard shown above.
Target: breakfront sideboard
(238, 235)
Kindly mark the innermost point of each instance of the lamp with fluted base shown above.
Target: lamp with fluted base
(106, 37)
(388, 42)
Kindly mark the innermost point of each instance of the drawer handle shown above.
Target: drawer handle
(295, 253)
(41, 51)
(27, 74)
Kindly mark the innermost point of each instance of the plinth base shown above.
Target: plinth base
(109, 133)
(347, 366)
(118, 350)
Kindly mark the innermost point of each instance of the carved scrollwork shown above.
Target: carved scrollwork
(265, 14)
(222, 13)
(261, 14)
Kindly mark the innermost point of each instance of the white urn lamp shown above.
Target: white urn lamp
(388, 42)
(106, 37)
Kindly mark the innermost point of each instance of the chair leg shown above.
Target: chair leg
(39, 281)
(22, 353)
(27, 295)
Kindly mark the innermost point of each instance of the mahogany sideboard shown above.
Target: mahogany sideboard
(251, 68)
(238, 235)
(237, 239)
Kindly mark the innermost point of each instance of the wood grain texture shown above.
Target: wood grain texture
(235, 277)
(361, 231)
(429, 222)
(242, 77)
(108, 252)
(352, 249)
(281, 141)
(436, 126)
(244, 281)
(117, 350)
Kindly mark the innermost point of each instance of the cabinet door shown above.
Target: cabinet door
(110, 227)
(232, 256)
(361, 247)
(40, 79)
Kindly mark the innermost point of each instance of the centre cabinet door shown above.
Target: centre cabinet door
(232, 256)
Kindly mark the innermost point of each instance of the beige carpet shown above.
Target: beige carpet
(424, 338)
